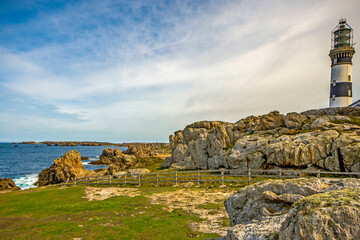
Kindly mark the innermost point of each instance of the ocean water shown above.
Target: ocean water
(25, 162)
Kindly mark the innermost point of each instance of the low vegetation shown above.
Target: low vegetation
(353, 120)
(151, 163)
(64, 213)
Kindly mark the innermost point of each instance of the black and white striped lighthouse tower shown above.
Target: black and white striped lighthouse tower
(341, 53)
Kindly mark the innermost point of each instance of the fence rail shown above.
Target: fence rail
(223, 175)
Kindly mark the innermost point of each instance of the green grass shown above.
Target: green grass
(151, 163)
(54, 213)
(211, 206)
(230, 146)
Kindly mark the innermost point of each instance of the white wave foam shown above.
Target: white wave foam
(26, 182)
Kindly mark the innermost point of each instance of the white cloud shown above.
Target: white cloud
(222, 62)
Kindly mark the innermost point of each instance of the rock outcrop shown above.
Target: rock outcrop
(147, 149)
(67, 167)
(117, 160)
(114, 156)
(296, 209)
(327, 139)
(7, 184)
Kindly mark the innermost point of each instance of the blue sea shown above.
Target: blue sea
(25, 162)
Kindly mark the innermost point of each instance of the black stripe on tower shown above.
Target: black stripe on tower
(341, 89)
(343, 60)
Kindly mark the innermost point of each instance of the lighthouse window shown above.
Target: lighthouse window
(334, 83)
(333, 97)
(349, 93)
(349, 77)
(335, 60)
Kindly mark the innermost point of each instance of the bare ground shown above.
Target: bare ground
(205, 203)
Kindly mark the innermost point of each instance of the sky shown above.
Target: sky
(124, 71)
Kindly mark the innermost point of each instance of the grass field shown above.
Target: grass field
(63, 213)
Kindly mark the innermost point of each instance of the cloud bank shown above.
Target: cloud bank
(138, 71)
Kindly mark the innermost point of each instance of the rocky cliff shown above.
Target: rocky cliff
(314, 208)
(328, 139)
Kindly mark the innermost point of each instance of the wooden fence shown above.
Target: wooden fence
(201, 176)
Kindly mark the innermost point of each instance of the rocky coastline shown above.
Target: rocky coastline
(134, 148)
(69, 166)
(325, 139)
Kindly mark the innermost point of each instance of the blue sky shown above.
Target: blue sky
(139, 70)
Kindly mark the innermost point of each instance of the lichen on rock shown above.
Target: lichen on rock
(330, 215)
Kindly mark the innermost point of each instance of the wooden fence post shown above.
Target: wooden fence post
(222, 176)
(75, 181)
(280, 173)
(157, 181)
(85, 180)
(96, 179)
(249, 175)
(198, 178)
(139, 177)
(318, 173)
(175, 178)
(125, 180)
(109, 179)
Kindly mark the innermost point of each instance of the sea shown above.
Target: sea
(24, 162)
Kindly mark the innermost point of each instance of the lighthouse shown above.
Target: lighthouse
(341, 53)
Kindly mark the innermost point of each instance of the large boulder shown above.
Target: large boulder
(111, 156)
(254, 202)
(67, 167)
(295, 209)
(331, 215)
(294, 120)
(108, 156)
(7, 184)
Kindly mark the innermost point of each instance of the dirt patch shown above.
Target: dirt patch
(99, 194)
(195, 201)
(205, 203)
